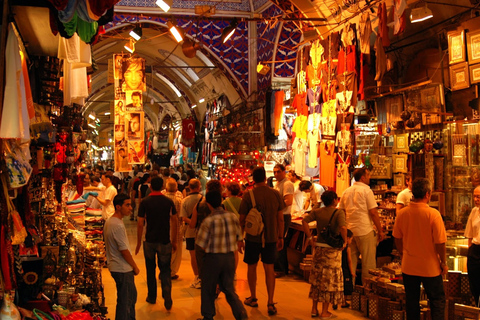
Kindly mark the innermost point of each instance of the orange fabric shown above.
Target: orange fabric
(28, 91)
(420, 227)
(299, 103)
(327, 163)
(278, 111)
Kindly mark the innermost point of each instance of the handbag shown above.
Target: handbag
(334, 241)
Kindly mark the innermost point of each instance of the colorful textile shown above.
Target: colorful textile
(326, 277)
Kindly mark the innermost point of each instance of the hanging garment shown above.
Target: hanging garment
(363, 75)
(400, 20)
(75, 51)
(327, 163)
(329, 119)
(313, 139)
(299, 103)
(348, 35)
(316, 53)
(347, 59)
(314, 97)
(75, 84)
(278, 112)
(15, 117)
(348, 82)
(382, 24)
(365, 30)
(300, 127)
(313, 76)
(301, 82)
(343, 177)
(381, 60)
(343, 141)
(299, 148)
(344, 102)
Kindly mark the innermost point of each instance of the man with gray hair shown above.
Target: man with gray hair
(420, 238)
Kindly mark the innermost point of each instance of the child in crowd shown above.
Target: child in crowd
(348, 271)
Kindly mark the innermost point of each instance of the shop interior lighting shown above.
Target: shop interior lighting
(136, 33)
(201, 100)
(91, 116)
(130, 46)
(88, 141)
(194, 106)
(420, 14)
(107, 113)
(91, 125)
(165, 5)
(176, 32)
(228, 32)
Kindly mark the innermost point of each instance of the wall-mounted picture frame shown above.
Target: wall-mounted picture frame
(474, 73)
(399, 180)
(473, 46)
(459, 77)
(400, 143)
(456, 47)
(462, 206)
(400, 163)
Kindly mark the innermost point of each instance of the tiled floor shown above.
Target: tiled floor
(291, 294)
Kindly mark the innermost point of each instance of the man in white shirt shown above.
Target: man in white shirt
(314, 193)
(404, 197)
(286, 189)
(106, 199)
(360, 206)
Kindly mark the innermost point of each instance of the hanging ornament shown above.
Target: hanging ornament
(405, 115)
(437, 144)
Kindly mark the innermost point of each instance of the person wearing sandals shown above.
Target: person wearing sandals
(269, 202)
(219, 236)
(326, 276)
(232, 204)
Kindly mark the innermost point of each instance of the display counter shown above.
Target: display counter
(297, 244)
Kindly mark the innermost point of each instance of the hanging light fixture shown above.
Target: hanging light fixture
(229, 31)
(165, 5)
(176, 32)
(136, 33)
(262, 69)
(420, 14)
(130, 46)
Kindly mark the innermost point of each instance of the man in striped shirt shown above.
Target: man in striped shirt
(219, 235)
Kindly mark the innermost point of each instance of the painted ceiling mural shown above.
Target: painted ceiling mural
(232, 57)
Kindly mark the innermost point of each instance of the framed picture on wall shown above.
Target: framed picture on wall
(400, 163)
(459, 77)
(400, 143)
(462, 206)
(399, 180)
(475, 73)
(456, 47)
(473, 45)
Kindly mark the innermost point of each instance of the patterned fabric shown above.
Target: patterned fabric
(326, 277)
(219, 232)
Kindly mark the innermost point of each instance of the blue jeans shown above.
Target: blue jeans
(126, 295)
(163, 252)
(435, 293)
(219, 268)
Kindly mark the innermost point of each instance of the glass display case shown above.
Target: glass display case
(457, 247)
(462, 171)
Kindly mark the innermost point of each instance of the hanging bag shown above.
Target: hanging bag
(19, 231)
(254, 220)
(334, 241)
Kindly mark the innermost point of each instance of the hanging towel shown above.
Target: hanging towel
(15, 119)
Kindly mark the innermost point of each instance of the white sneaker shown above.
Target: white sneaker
(197, 283)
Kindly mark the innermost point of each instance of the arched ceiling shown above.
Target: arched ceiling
(269, 32)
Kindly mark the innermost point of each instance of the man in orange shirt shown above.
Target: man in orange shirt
(420, 238)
